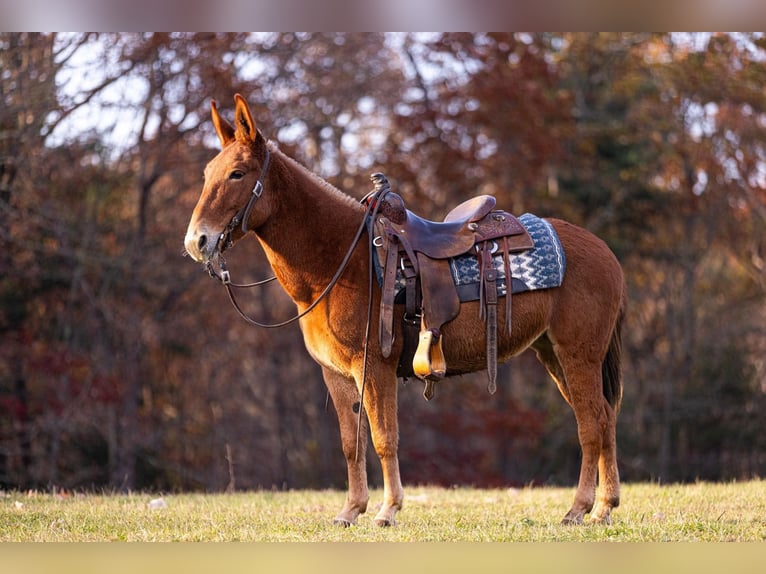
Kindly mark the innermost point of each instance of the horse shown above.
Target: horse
(304, 226)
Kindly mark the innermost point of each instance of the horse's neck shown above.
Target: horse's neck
(310, 231)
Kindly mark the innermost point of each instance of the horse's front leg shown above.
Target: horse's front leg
(345, 397)
(380, 402)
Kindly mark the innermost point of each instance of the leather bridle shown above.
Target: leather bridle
(243, 215)
(371, 202)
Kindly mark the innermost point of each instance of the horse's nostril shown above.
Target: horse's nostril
(202, 241)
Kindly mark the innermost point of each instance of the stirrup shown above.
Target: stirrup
(438, 362)
(429, 358)
(421, 362)
(429, 363)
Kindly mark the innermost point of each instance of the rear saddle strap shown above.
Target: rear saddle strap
(422, 249)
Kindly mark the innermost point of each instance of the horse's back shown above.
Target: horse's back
(593, 291)
(590, 262)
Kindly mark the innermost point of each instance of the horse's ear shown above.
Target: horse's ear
(222, 127)
(243, 119)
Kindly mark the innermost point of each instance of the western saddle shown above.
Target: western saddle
(421, 249)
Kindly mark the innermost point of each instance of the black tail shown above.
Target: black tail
(611, 370)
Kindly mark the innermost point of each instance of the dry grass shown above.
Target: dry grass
(650, 513)
(450, 523)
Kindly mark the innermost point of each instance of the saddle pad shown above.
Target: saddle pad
(540, 268)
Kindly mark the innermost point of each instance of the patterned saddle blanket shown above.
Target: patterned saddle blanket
(540, 268)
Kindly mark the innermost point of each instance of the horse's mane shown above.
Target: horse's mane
(331, 190)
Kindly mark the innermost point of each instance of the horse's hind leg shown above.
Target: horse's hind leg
(607, 464)
(583, 379)
(345, 398)
(547, 356)
(608, 473)
(596, 428)
(581, 385)
(584, 386)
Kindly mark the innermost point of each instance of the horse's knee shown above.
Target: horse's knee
(387, 451)
(351, 454)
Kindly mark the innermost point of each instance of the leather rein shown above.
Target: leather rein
(241, 218)
(372, 202)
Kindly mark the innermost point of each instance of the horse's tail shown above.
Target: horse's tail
(611, 368)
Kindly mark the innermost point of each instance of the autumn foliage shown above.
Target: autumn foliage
(123, 366)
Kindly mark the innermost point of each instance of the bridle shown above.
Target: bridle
(225, 240)
(243, 215)
(371, 202)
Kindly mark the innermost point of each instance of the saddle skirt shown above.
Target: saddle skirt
(542, 267)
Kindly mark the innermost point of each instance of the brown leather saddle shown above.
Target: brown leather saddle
(420, 249)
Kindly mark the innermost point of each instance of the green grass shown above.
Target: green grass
(649, 513)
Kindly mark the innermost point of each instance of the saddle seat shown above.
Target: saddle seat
(420, 249)
(436, 239)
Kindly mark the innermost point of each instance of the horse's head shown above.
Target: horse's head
(233, 185)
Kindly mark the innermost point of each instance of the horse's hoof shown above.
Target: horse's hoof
(340, 521)
(386, 515)
(572, 519)
(606, 521)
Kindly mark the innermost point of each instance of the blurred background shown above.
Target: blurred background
(123, 366)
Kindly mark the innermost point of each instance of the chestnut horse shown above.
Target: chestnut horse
(305, 226)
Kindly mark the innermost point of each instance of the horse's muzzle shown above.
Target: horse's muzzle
(201, 243)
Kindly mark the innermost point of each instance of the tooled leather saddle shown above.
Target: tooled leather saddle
(420, 250)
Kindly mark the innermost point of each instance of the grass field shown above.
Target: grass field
(649, 513)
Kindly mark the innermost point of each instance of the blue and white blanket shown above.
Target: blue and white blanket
(542, 267)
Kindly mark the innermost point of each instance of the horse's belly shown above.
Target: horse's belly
(465, 346)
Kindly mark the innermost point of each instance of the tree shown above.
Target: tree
(27, 88)
(123, 366)
(657, 117)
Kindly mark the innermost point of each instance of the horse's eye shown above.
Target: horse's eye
(236, 174)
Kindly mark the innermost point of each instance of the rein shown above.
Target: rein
(371, 201)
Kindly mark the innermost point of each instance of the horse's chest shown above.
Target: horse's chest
(325, 347)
